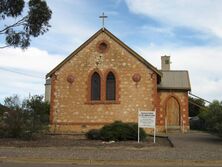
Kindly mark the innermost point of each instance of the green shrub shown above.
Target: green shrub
(118, 131)
(213, 118)
(93, 134)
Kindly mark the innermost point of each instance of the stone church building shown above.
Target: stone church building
(104, 80)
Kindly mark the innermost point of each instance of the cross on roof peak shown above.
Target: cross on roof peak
(103, 17)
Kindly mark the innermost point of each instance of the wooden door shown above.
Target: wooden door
(173, 112)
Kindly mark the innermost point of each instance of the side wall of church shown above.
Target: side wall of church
(71, 109)
(182, 98)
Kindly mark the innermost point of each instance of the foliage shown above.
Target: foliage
(26, 120)
(194, 110)
(21, 23)
(38, 107)
(14, 124)
(203, 114)
(197, 123)
(3, 109)
(12, 102)
(213, 118)
(117, 131)
(93, 134)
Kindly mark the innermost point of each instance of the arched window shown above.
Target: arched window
(95, 86)
(110, 87)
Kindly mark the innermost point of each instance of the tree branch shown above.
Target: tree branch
(18, 23)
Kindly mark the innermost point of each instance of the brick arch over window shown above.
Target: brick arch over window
(112, 90)
(109, 74)
(110, 86)
(95, 84)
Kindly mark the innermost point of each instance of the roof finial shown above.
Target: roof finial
(103, 17)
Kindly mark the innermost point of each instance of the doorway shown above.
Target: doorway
(173, 112)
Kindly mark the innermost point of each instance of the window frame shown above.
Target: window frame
(103, 76)
(94, 94)
(106, 83)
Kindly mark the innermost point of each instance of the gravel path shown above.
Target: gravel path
(197, 145)
(190, 146)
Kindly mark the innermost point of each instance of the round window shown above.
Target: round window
(102, 47)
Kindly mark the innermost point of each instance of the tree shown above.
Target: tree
(36, 105)
(195, 106)
(24, 119)
(213, 118)
(13, 102)
(18, 28)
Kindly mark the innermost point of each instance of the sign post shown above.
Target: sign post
(147, 119)
(138, 126)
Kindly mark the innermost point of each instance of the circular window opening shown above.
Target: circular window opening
(102, 47)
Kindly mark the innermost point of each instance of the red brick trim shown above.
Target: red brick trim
(155, 96)
(102, 102)
(117, 93)
(153, 77)
(103, 88)
(187, 110)
(88, 96)
(52, 99)
(160, 120)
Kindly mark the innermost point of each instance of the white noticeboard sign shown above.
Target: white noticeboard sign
(147, 119)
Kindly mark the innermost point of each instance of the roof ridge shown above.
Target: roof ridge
(174, 70)
(140, 58)
(74, 52)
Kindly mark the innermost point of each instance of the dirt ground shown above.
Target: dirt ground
(79, 141)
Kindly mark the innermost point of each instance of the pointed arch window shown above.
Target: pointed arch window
(95, 86)
(110, 86)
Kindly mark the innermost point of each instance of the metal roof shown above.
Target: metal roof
(174, 80)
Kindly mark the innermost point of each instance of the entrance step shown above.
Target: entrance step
(174, 129)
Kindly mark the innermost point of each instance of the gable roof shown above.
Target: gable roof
(141, 59)
(174, 80)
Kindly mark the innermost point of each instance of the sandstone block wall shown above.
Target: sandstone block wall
(71, 109)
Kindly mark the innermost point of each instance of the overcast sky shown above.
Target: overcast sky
(190, 31)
